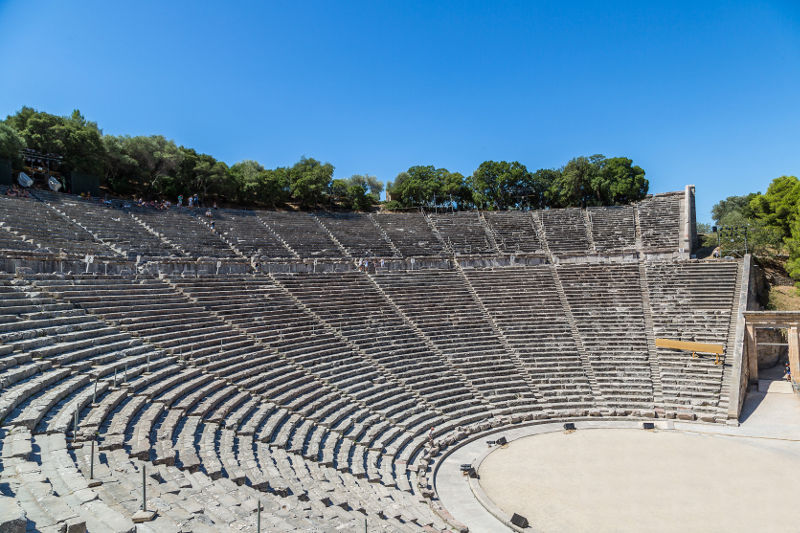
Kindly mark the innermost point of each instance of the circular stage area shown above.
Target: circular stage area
(611, 480)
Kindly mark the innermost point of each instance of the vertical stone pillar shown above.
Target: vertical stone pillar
(689, 219)
(794, 356)
(751, 348)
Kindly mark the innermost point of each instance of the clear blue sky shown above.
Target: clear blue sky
(694, 92)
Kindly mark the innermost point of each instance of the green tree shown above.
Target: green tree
(359, 199)
(73, 137)
(309, 181)
(369, 183)
(413, 188)
(500, 185)
(452, 189)
(573, 186)
(274, 186)
(375, 187)
(11, 143)
(150, 163)
(778, 206)
(427, 185)
(201, 174)
(733, 204)
(779, 209)
(253, 184)
(617, 181)
(247, 177)
(793, 247)
(120, 171)
(597, 180)
(339, 191)
(538, 190)
(762, 239)
(38, 129)
(84, 150)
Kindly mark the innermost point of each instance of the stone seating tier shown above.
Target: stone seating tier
(410, 233)
(659, 218)
(248, 235)
(358, 233)
(565, 231)
(318, 393)
(464, 232)
(32, 222)
(117, 228)
(302, 233)
(514, 231)
(51, 224)
(190, 234)
(613, 228)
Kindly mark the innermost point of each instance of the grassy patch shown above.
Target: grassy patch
(783, 298)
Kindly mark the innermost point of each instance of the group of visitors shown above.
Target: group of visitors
(154, 204)
(363, 265)
(18, 192)
(105, 201)
(192, 201)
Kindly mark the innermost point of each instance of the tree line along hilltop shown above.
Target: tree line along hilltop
(156, 167)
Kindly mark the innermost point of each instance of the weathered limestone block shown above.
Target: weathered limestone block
(12, 516)
(17, 444)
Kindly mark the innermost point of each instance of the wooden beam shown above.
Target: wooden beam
(702, 347)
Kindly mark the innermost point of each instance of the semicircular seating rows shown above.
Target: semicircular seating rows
(303, 362)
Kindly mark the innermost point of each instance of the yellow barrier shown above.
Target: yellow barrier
(694, 347)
